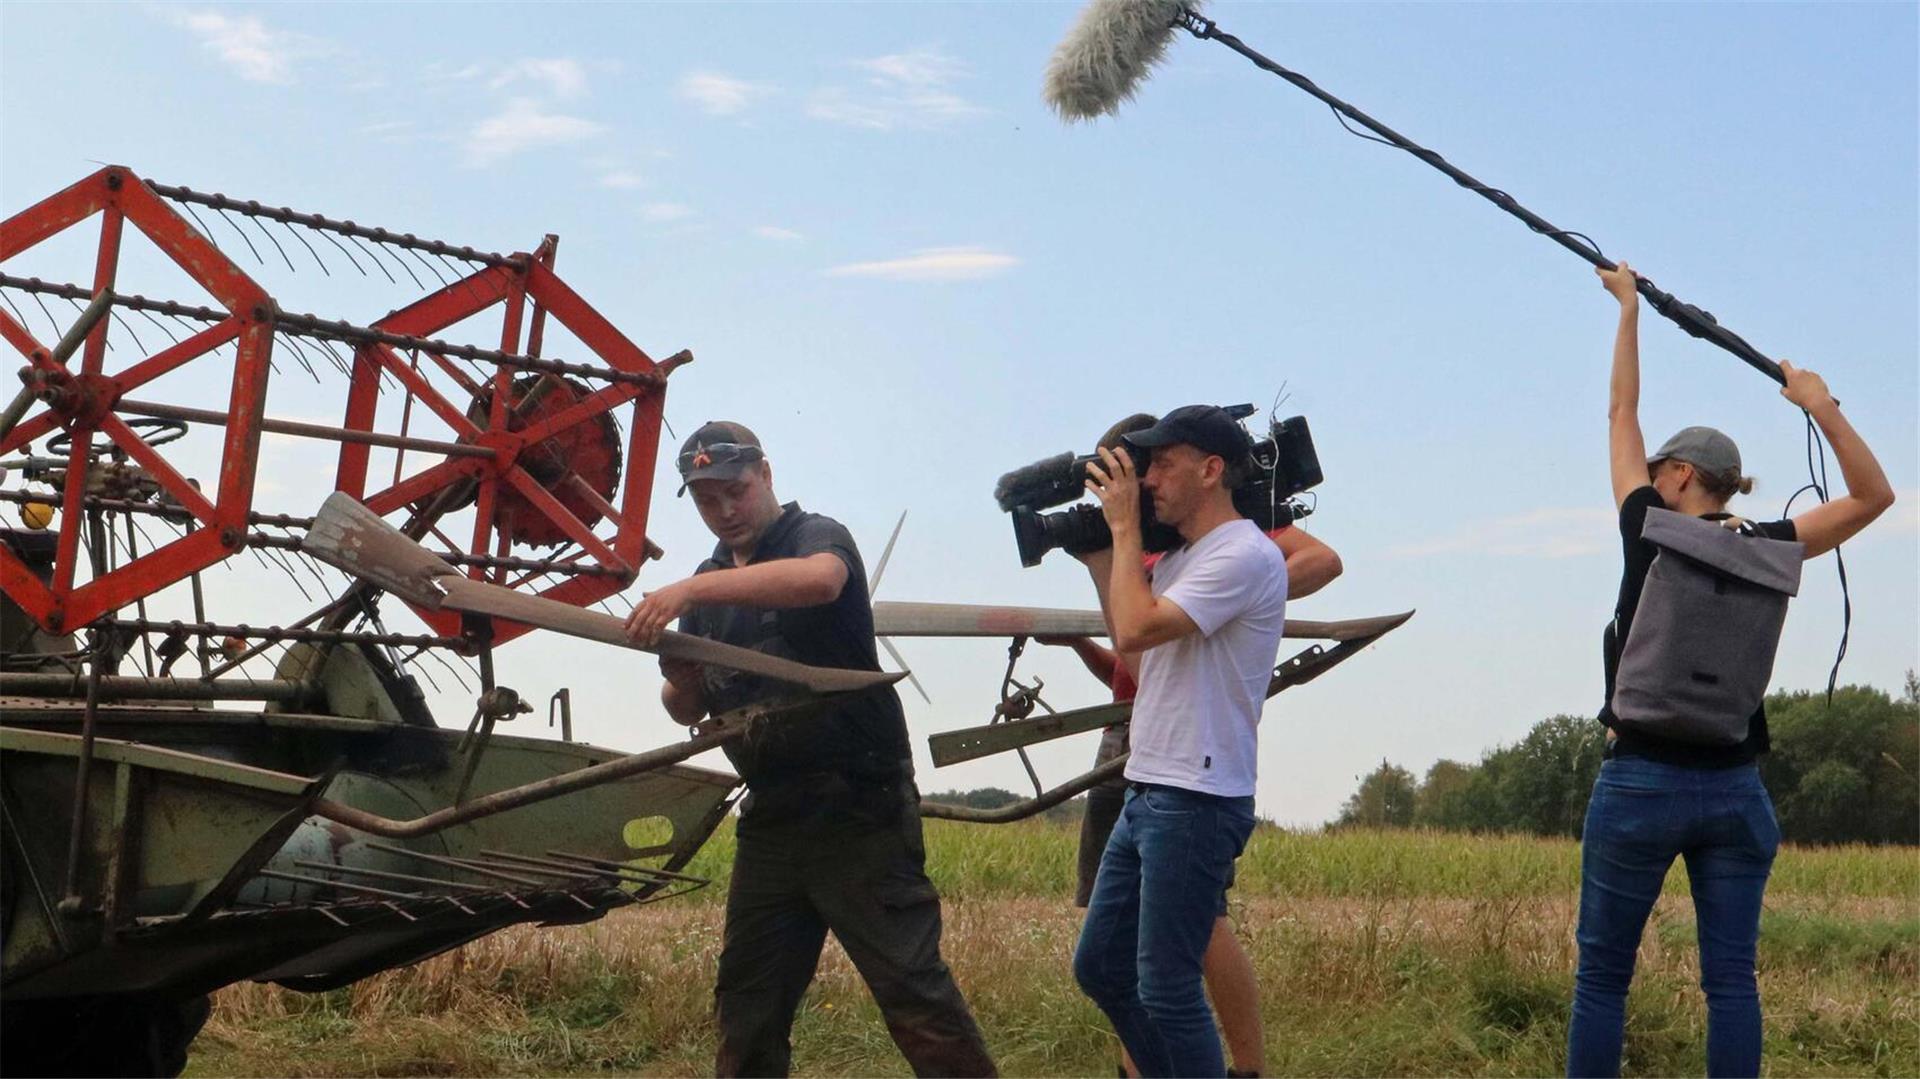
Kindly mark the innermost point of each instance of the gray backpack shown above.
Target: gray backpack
(1698, 658)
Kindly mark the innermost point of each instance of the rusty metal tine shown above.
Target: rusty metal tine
(389, 904)
(332, 917)
(364, 889)
(543, 866)
(471, 865)
(622, 867)
(464, 909)
(514, 899)
(58, 330)
(298, 356)
(222, 215)
(303, 242)
(383, 874)
(137, 343)
(17, 314)
(204, 230)
(430, 269)
(381, 245)
(162, 326)
(274, 242)
(579, 900)
(355, 240)
(329, 238)
(466, 284)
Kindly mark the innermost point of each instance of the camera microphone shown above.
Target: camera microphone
(1108, 53)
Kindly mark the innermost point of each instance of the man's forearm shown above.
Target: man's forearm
(1129, 599)
(1310, 570)
(785, 582)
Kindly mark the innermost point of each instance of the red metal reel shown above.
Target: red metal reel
(578, 465)
(81, 401)
(520, 495)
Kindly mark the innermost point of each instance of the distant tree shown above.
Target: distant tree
(978, 798)
(1845, 771)
(1444, 798)
(1385, 799)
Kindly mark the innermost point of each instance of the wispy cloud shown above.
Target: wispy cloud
(562, 77)
(902, 90)
(622, 180)
(244, 43)
(775, 232)
(721, 95)
(933, 264)
(1562, 532)
(523, 125)
(661, 213)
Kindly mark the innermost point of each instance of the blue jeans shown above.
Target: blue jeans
(1642, 814)
(1154, 902)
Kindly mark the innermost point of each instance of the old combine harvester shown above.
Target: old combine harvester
(195, 789)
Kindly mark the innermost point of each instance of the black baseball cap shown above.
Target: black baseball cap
(719, 450)
(1207, 428)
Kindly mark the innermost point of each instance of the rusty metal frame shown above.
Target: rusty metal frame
(81, 401)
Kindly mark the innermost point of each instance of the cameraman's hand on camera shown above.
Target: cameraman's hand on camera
(1114, 483)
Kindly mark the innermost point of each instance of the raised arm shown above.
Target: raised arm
(1830, 524)
(1311, 564)
(1626, 446)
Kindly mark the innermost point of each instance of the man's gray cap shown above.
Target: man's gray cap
(1702, 447)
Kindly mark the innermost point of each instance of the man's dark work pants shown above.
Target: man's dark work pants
(861, 874)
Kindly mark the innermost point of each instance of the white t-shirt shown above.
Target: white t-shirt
(1196, 716)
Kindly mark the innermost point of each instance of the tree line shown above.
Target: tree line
(1841, 772)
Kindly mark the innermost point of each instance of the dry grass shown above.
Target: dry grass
(1417, 975)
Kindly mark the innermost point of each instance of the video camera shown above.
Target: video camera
(1280, 466)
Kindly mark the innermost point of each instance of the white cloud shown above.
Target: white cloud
(563, 77)
(775, 232)
(1543, 533)
(933, 264)
(922, 67)
(903, 90)
(721, 95)
(661, 213)
(436, 71)
(246, 44)
(622, 180)
(522, 125)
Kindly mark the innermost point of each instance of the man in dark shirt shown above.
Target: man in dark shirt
(829, 832)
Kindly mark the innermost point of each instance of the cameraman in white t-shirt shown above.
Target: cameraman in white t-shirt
(1208, 626)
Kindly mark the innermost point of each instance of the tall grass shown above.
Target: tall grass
(1378, 953)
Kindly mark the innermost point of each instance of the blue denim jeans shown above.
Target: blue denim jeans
(1154, 902)
(1641, 816)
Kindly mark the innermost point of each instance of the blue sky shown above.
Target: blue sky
(898, 267)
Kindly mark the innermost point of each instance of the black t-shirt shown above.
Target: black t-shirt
(862, 735)
(1639, 556)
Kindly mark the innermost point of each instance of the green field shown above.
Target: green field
(1396, 953)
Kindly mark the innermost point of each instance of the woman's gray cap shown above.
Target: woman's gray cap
(1702, 447)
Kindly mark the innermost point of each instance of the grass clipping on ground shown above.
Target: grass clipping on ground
(1379, 953)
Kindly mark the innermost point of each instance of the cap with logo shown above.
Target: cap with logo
(1702, 447)
(719, 450)
(1207, 428)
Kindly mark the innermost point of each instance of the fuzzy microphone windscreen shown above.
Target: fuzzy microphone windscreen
(1103, 59)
